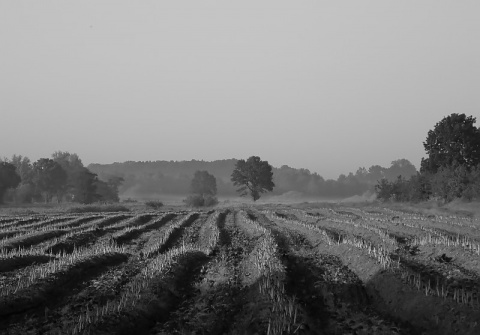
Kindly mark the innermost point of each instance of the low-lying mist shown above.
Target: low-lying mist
(148, 180)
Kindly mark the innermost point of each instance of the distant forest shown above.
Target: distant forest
(153, 179)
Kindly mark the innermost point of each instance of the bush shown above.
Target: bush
(154, 204)
(199, 201)
(398, 190)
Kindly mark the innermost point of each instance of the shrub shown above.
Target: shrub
(154, 204)
(199, 201)
(398, 190)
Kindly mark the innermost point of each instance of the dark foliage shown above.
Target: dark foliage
(108, 190)
(8, 178)
(83, 186)
(254, 177)
(81, 183)
(49, 178)
(451, 170)
(25, 191)
(398, 190)
(63, 177)
(453, 141)
(456, 181)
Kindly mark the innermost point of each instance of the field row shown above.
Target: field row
(265, 270)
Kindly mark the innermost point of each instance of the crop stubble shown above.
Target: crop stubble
(264, 270)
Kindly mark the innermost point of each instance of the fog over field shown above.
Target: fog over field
(171, 180)
(328, 86)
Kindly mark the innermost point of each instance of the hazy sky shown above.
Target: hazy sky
(324, 85)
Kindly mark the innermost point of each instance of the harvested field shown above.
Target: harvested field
(255, 270)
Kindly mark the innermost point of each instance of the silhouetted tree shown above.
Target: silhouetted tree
(454, 140)
(49, 178)
(8, 178)
(83, 186)
(254, 176)
(73, 166)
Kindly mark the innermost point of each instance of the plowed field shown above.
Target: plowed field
(250, 270)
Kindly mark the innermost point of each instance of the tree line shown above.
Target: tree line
(451, 169)
(61, 178)
(152, 179)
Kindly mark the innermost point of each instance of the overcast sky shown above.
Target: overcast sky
(324, 85)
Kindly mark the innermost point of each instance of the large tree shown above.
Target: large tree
(83, 186)
(23, 167)
(49, 178)
(254, 176)
(77, 176)
(8, 178)
(454, 140)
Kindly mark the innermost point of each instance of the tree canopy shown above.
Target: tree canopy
(8, 178)
(254, 176)
(25, 191)
(83, 186)
(49, 177)
(203, 183)
(81, 182)
(454, 140)
(451, 170)
(63, 177)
